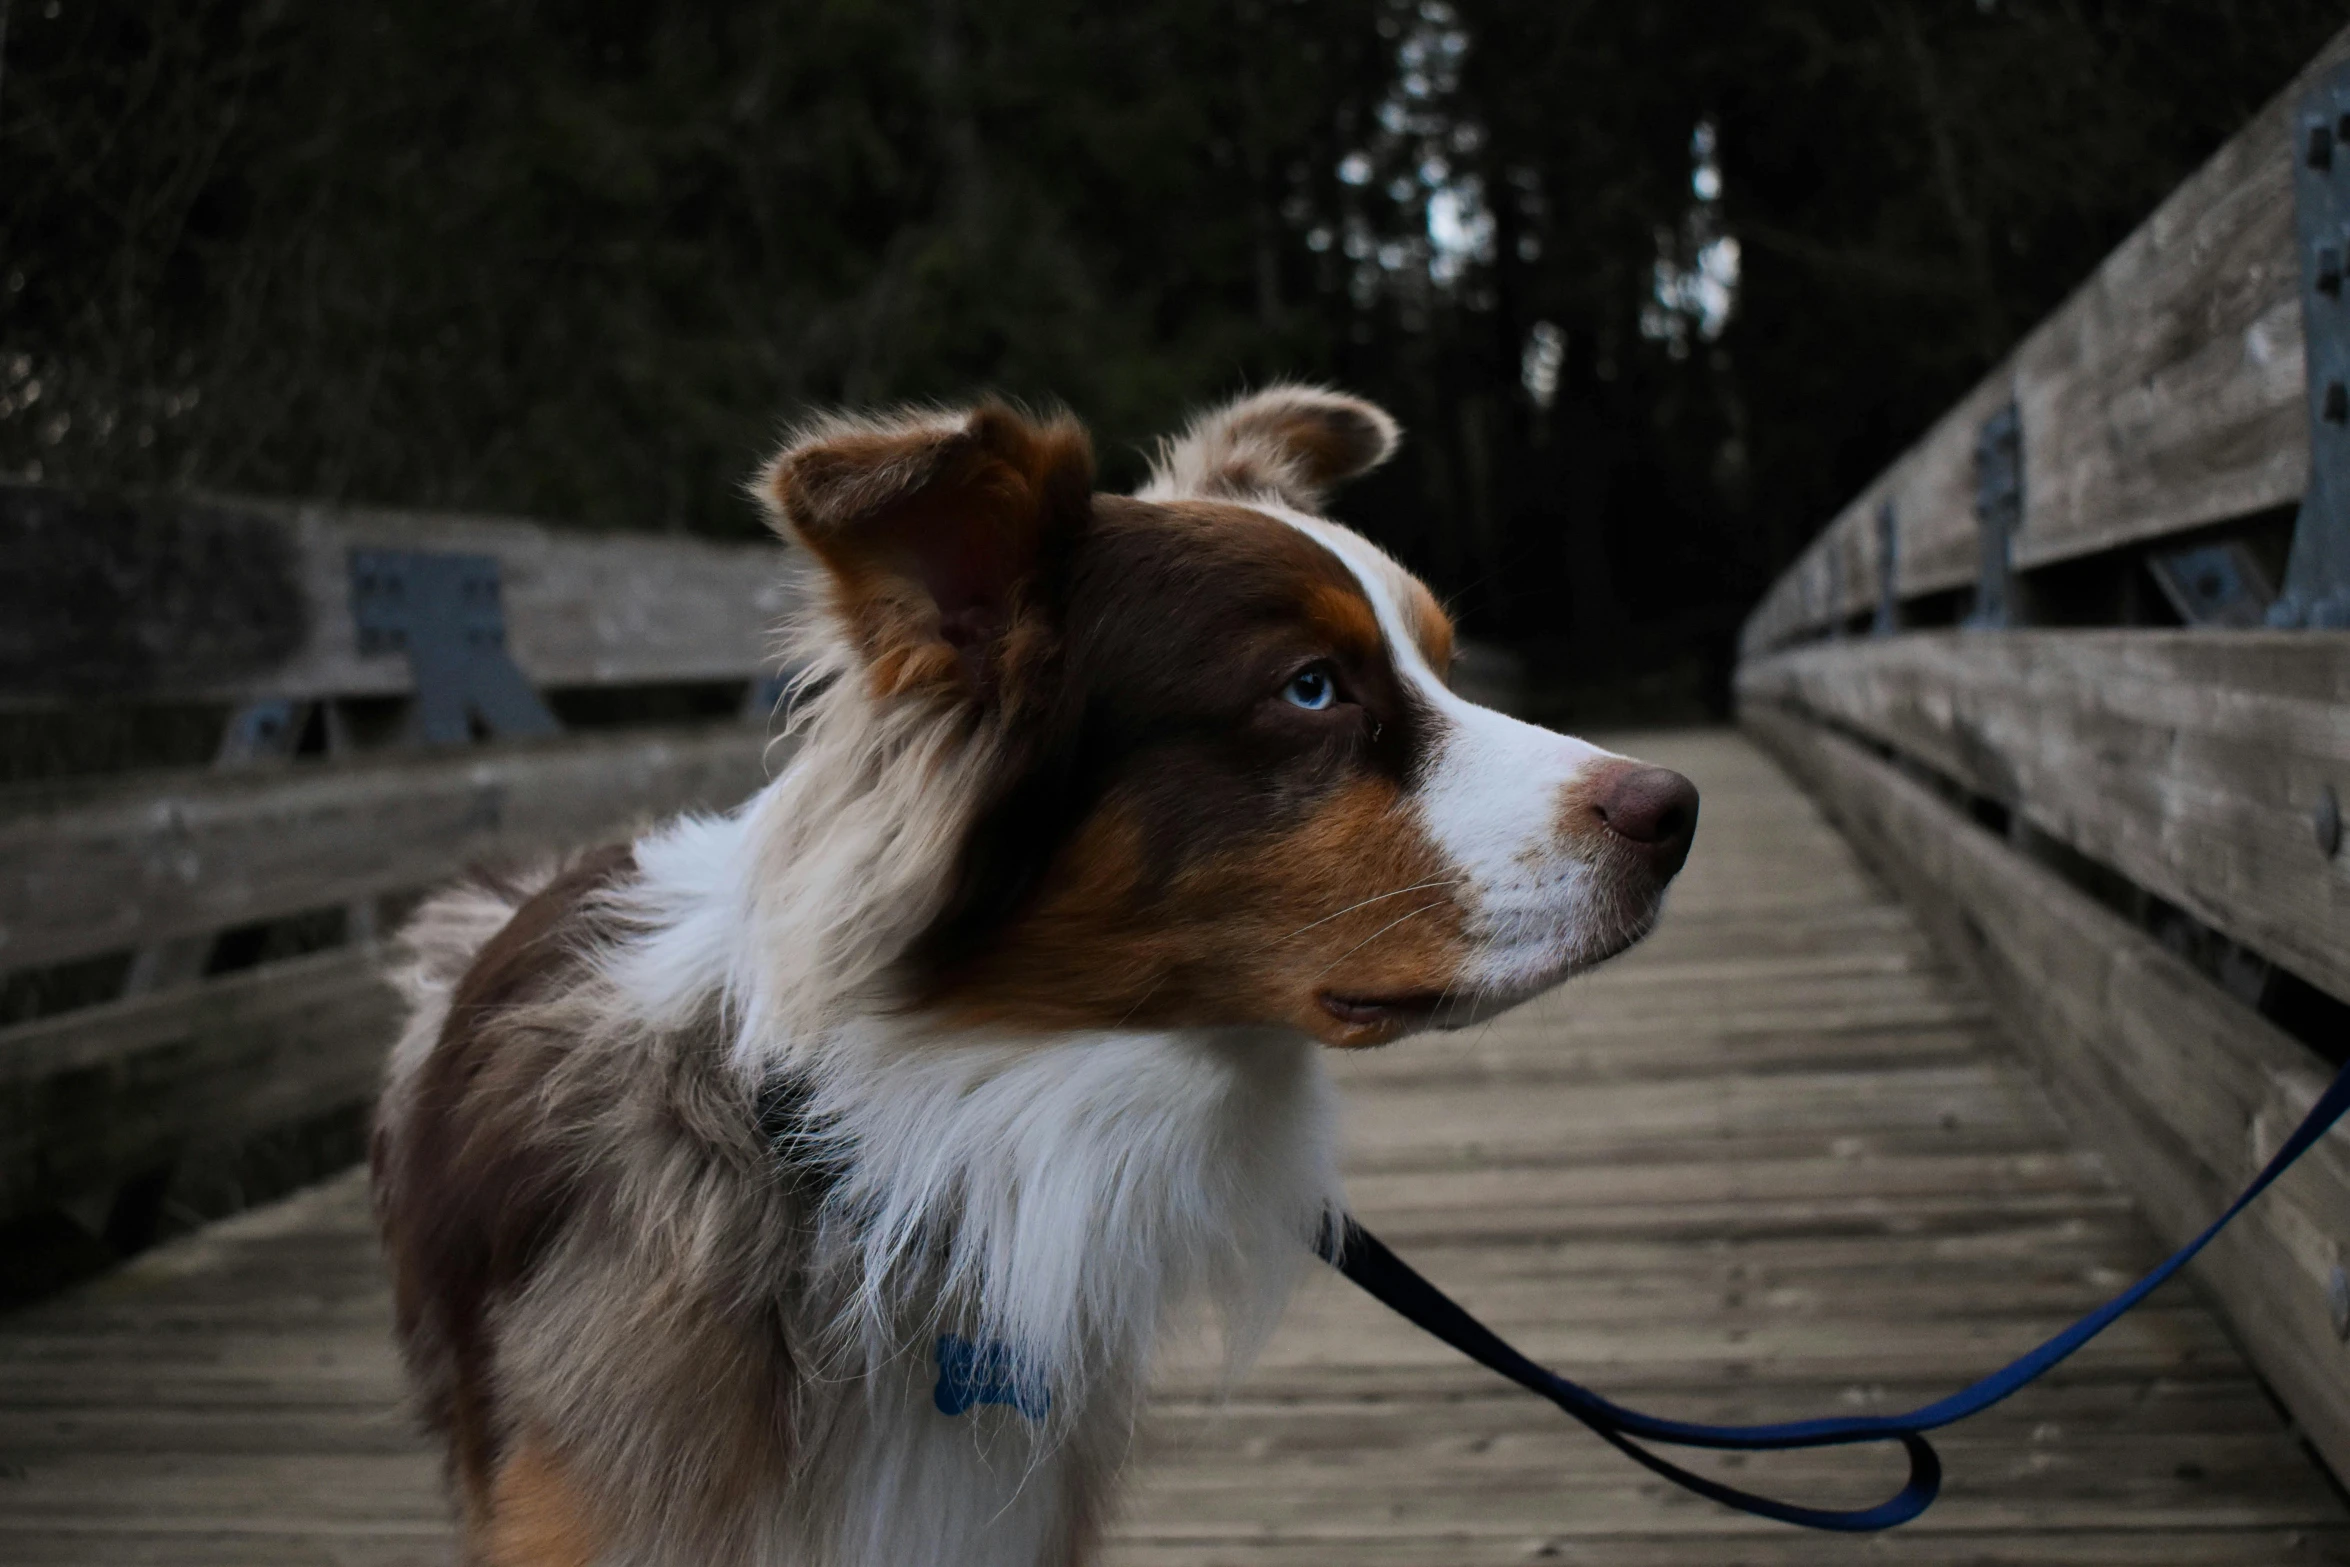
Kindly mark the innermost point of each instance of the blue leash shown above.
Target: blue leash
(1363, 1258)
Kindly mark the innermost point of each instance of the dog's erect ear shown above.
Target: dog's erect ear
(931, 528)
(1295, 443)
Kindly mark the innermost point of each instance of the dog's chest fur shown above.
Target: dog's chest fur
(723, 1296)
(1052, 1204)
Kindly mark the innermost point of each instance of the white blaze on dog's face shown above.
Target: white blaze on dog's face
(1226, 780)
(1563, 850)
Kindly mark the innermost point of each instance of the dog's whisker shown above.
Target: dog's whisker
(1139, 1001)
(1375, 935)
(1441, 881)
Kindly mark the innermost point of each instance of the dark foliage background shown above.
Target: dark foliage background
(582, 259)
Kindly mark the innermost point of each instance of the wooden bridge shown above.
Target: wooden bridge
(2017, 934)
(1779, 1162)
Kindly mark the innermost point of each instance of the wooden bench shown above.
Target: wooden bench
(387, 687)
(2072, 673)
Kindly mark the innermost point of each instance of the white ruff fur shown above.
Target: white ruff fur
(1059, 1196)
(1060, 1200)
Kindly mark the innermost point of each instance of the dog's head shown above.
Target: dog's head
(1224, 780)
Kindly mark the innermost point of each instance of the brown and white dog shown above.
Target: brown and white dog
(807, 1185)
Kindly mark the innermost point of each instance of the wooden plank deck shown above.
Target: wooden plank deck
(1777, 1163)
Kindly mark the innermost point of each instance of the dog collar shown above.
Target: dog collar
(987, 1373)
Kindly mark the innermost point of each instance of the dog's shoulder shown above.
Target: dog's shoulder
(465, 1182)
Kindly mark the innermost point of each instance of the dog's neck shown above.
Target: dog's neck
(1060, 1197)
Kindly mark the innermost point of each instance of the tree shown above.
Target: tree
(1654, 287)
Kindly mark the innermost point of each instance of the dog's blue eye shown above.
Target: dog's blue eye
(1310, 689)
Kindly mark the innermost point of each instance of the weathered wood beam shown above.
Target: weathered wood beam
(145, 860)
(2165, 394)
(2182, 1090)
(90, 1096)
(2196, 763)
(193, 599)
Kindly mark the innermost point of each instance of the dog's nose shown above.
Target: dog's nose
(1654, 808)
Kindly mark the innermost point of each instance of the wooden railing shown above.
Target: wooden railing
(2059, 722)
(154, 880)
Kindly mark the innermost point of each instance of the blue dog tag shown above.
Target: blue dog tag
(971, 1374)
